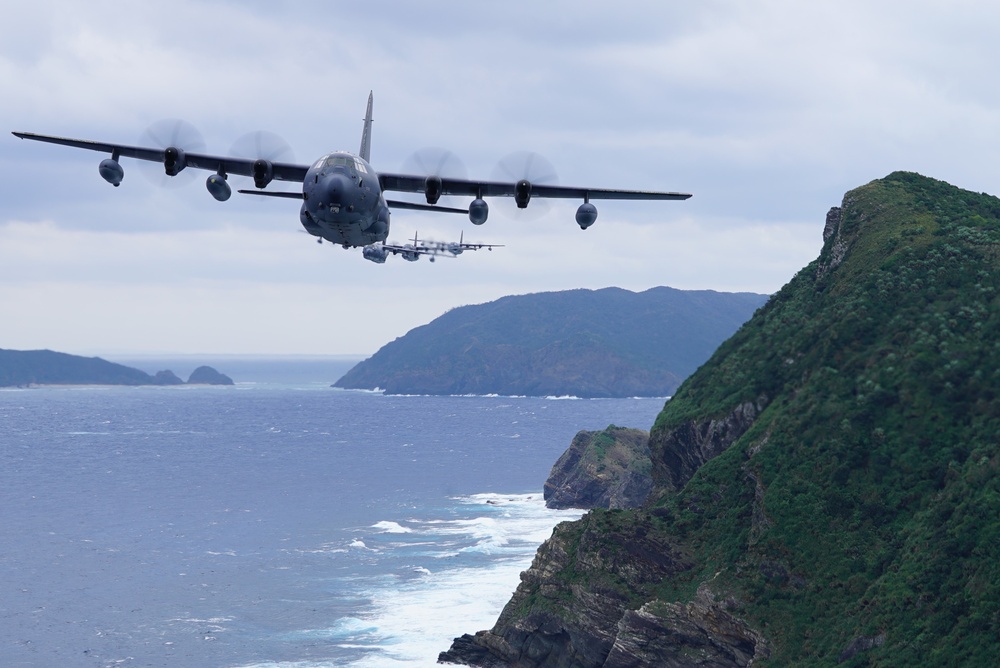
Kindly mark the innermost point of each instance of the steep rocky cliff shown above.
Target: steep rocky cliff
(825, 486)
(610, 468)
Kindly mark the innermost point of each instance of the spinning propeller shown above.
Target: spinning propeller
(435, 164)
(176, 137)
(264, 148)
(526, 169)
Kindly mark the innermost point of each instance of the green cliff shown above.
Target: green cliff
(825, 486)
(586, 343)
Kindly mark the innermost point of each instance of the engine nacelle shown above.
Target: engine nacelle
(522, 193)
(586, 215)
(479, 210)
(218, 188)
(174, 161)
(375, 252)
(262, 172)
(432, 189)
(111, 171)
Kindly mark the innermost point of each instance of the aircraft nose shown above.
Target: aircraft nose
(334, 190)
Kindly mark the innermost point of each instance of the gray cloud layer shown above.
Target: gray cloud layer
(766, 111)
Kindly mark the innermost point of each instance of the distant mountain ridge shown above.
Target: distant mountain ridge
(587, 343)
(22, 368)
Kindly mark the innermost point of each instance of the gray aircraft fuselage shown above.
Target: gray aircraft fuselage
(343, 202)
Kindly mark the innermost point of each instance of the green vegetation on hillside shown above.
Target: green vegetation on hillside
(878, 453)
(854, 517)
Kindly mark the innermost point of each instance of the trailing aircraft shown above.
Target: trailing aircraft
(412, 252)
(343, 197)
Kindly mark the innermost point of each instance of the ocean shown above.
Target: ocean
(276, 523)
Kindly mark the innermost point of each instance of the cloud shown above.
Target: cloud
(768, 112)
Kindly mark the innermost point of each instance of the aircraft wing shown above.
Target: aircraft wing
(411, 249)
(467, 246)
(417, 184)
(227, 164)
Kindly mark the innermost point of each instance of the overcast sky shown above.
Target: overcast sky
(767, 111)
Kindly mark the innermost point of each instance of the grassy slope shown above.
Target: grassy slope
(865, 499)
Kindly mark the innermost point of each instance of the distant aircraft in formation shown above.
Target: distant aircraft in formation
(412, 251)
(342, 196)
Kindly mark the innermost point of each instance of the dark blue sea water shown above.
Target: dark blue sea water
(269, 524)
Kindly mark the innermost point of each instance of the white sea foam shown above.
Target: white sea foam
(391, 527)
(410, 620)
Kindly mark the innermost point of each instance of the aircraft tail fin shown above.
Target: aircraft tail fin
(366, 133)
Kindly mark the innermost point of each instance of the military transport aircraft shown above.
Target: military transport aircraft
(412, 251)
(342, 195)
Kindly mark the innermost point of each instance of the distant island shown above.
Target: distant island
(25, 368)
(585, 343)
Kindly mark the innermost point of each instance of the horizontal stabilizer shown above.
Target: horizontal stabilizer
(415, 206)
(272, 193)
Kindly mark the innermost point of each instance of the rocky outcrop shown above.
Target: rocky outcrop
(675, 635)
(166, 377)
(602, 469)
(588, 600)
(840, 242)
(677, 453)
(206, 375)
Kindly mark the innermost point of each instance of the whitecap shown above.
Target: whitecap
(359, 544)
(386, 526)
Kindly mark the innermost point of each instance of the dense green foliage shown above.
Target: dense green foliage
(589, 343)
(865, 499)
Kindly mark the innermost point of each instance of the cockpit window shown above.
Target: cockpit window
(339, 161)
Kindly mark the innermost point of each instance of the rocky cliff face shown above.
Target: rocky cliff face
(602, 469)
(681, 451)
(825, 486)
(581, 604)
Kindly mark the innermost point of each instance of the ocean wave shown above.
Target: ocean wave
(478, 557)
(387, 526)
